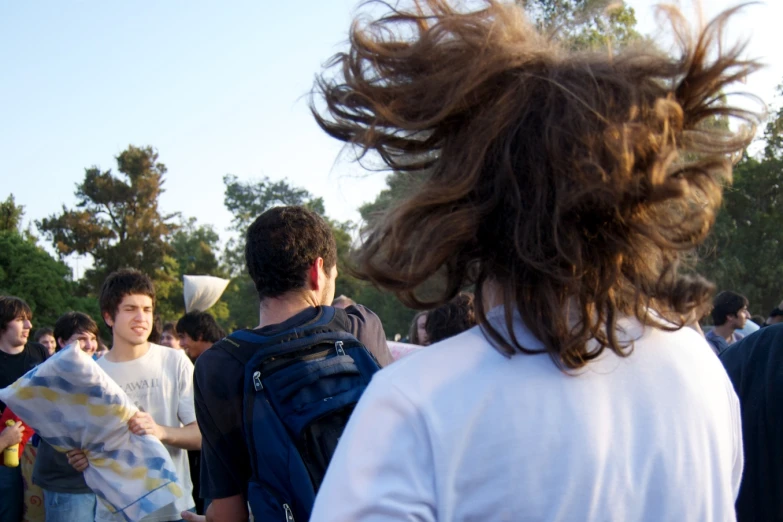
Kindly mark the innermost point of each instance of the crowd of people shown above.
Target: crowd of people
(573, 382)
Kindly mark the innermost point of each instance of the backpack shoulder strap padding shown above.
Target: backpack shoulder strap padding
(243, 344)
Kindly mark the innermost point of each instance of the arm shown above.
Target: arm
(231, 509)
(383, 469)
(187, 437)
(367, 327)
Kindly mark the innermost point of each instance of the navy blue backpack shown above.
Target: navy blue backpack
(300, 388)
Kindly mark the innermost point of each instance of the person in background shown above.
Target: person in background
(67, 498)
(197, 332)
(753, 365)
(567, 187)
(418, 331)
(775, 316)
(169, 336)
(17, 357)
(729, 314)
(45, 337)
(758, 320)
(155, 332)
(451, 319)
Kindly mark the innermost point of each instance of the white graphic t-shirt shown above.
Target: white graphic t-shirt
(160, 383)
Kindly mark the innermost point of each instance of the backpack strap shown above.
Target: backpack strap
(243, 344)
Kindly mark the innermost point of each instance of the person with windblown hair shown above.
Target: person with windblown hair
(567, 188)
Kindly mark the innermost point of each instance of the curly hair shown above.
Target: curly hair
(281, 244)
(451, 318)
(577, 183)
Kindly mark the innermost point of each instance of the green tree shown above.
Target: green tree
(585, 24)
(29, 272)
(744, 252)
(246, 200)
(117, 220)
(11, 215)
(194, 249)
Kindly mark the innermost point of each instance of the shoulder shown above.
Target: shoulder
(217, 365)
(170, 358)
(37, 350)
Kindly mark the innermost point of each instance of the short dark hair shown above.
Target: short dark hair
(121, 283)
(12, 307)
(281, 244)
(169, 327)
(44, 330)
(71, 323)
(451, 319)
(200, 326)
(725, 304)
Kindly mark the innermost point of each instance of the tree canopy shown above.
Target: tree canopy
(116, 220)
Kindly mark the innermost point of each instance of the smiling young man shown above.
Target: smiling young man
(17, 356)
(67, 497)
(159, 380)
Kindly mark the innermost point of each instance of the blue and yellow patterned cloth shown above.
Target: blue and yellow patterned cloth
(73, 404)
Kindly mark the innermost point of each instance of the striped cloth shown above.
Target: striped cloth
(72, 404)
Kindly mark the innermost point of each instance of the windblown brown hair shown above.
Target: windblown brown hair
(576, 183)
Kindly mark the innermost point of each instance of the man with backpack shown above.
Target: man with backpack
(271, 402)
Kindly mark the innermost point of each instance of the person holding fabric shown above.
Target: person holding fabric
(159, 380)
(66, 495)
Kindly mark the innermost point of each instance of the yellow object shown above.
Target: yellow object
(11, 453)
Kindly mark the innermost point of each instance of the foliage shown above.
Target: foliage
(11, 215)
(117, 221)
(744, 252)
(29, 272)
(194, 250)
(246, 200)
(585, 24)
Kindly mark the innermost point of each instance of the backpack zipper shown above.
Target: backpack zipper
(257, 381)
(289, 515)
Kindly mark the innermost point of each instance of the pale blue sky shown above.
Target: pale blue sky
(217, 88)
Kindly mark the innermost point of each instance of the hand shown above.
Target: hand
(142, 423)
(12, 434)
(77, 459)
(192, 517)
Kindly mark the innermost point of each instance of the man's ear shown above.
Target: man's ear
(108, 320)
(315, 273)
(61, 343)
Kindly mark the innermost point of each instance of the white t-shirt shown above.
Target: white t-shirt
(458, 432)
(160, 382)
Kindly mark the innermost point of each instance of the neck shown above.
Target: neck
(122, 351)
(11, 350)
(725, 330)
(275, 310)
